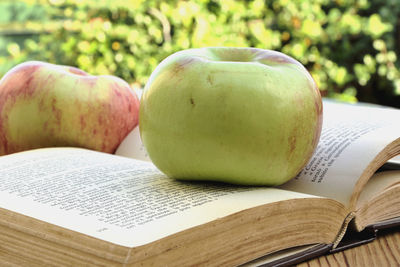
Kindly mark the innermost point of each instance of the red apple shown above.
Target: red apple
(46, 105)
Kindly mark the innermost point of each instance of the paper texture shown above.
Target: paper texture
(132, 146)
(117, 199)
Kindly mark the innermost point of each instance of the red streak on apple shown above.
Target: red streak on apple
(319, 123)
(276, 57)
(82, 122)
(182, 65)
(77, 71)
(56, 111)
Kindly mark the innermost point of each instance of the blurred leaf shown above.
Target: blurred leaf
(376, 27)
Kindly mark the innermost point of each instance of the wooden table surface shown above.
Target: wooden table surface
(384, 251)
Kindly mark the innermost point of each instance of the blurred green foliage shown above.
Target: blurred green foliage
(351, 47)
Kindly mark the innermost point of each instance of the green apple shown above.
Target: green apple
(237, 115)
(45, 105)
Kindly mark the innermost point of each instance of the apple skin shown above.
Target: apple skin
(47, 105)
(238, 115)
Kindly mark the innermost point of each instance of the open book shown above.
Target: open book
(78, 207)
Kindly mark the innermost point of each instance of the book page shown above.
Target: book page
(395, 160)
(352, 136)
(120, 200)
(132, 146)
(377, 184)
